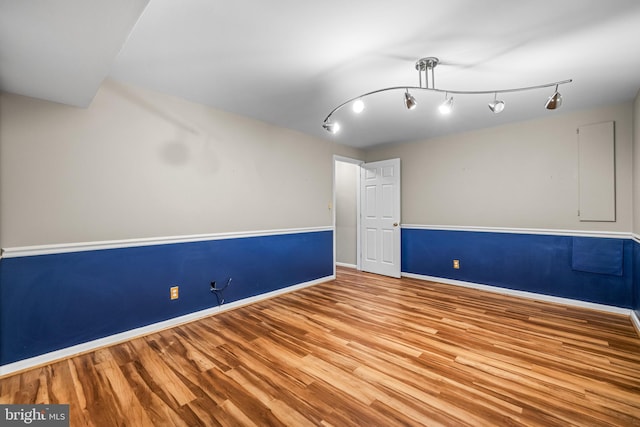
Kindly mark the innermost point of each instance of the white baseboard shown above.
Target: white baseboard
(344, 264)
(523, 294)
(75, 350)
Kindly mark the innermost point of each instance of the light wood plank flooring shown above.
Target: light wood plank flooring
(362, 350)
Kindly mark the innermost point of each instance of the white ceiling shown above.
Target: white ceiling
(290, 62)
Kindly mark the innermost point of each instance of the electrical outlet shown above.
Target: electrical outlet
(456, 264)
(174, 292)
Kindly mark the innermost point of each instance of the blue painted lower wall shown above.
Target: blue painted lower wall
(545, 264)
(50, 302)
(636, 278)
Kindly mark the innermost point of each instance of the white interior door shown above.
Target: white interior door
(380, 210)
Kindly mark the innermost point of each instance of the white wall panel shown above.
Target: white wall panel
(596, 173)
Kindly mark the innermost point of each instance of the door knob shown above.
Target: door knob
(395, 224)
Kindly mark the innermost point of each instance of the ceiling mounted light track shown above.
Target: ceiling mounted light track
(426, 82)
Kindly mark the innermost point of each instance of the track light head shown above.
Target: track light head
(331, 127)
(409, 101)
(447, 106)
(496, 106)
(554, 101)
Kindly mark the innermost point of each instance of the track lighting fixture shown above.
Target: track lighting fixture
(409, 101)
(447, 106)
(495, 105)
(331, 127)
(358, 106)
(426, 80)
(554, 101)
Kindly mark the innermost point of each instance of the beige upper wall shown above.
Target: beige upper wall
(140, 164)
(636, 164)
(522, 175)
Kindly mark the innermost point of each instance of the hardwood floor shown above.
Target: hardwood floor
(362, 350)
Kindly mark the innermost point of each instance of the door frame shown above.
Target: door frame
(359, 163)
